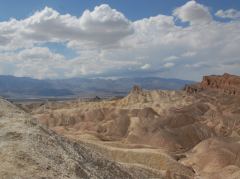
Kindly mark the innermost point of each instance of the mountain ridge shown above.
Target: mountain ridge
(25, 87)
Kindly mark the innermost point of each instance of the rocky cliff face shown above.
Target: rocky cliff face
(229, 84)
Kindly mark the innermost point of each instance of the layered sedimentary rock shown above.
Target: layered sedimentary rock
(229, 84)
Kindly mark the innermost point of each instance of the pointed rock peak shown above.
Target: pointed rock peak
(136, 89)
(227, 75)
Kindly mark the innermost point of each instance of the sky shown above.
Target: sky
(182, 39)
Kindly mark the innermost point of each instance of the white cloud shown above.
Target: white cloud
(170, 58)
(105, 20)
(106, 42)
(38, 53)
(146, 66)
(229, 13)
(103, 26)
(38, 62)
(196, 65)
(193, 12)
(169, 65)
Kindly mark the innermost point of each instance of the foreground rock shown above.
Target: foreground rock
(29, 150)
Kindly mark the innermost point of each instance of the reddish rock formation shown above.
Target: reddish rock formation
(229, 84)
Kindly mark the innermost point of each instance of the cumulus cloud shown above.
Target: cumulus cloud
(105, 24)
(102, 26)
(193, 12)
(108, 44)
(229, 13)
(38, 62)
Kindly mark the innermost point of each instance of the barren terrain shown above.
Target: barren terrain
(29, 150)
(163, 134)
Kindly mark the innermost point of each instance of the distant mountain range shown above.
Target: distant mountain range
(24, 87)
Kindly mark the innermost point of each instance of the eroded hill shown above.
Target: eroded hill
(29, 150)
(169, 134)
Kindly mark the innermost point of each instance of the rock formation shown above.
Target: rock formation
(157, 129)
(29, 150)
(229, 84)
(136, 89)
(169, 134)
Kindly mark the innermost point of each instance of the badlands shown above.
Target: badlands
(193, 133)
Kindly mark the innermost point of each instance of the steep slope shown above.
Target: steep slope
(29, 150)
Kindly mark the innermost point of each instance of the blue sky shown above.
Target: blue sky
(132, 9)
(92, 38)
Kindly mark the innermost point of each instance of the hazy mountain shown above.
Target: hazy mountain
(24, 87)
